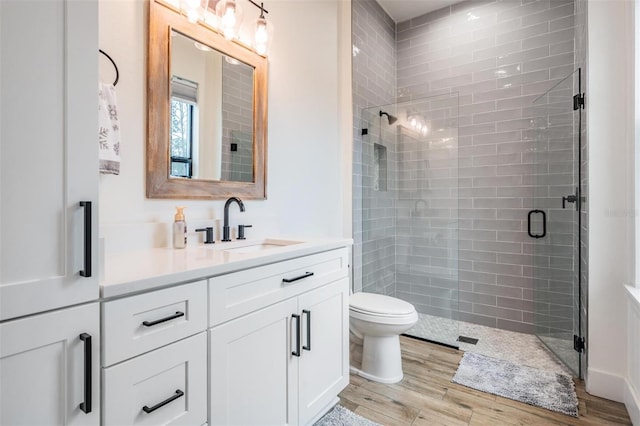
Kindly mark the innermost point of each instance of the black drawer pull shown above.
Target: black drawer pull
(307, 347)
(178, 314)
(290, 280)
(298, 337)
(86, 272)
(85, 406)
(172, 398)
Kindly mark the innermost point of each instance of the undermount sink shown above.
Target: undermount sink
(257, 246)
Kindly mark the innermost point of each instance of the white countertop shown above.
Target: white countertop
(154, 268)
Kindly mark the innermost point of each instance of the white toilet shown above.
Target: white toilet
(379, 320)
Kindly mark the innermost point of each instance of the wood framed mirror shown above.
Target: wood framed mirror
(207, 112)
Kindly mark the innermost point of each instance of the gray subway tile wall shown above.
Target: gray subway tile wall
(374, 84)
(502, 57)
(498, 57)
(237, 122)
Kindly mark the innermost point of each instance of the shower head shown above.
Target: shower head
(392, 119)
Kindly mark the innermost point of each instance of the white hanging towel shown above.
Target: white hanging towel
(109, 130)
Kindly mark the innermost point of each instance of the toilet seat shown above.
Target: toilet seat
(384, 319)
(379, 304)
(381, 309)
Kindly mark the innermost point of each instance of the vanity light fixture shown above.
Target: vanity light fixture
(226, 18)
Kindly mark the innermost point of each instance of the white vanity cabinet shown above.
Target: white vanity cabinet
(155, 357)
(48, 155)
(50, 368)
(167, 386)
(279, 341)
(253, 373)
(250, 340)
(324, 362)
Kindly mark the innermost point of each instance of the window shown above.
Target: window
(184, 105)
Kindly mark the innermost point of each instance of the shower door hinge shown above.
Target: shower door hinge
(578, 343)
(578, 101)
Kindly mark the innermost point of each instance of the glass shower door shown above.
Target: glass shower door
(554, 221)
(410, 210)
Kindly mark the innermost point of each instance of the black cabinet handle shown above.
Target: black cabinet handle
(86, 272)
(307, 347)
(297, 351)
(544, 224)
(86, 405)
(172, 398)
(290, 280)
(178, 314)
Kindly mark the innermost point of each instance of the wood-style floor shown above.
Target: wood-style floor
(427, 397)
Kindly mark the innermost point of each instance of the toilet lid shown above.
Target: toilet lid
(379, 304)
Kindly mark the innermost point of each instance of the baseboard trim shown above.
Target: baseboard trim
(632, 402)
(605, 385)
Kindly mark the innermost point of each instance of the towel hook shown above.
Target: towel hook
(114, 66)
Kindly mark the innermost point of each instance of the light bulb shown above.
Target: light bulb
(229, 16)
(261, 37)
(419, 126)
(211, 19)
(190, 8)
(229, 22)
(424, 131)
(414, 122)
(192, 15)
(261, 31)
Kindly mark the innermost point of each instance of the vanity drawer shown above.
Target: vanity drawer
(239, 293)
(167, 386)
(138, 324)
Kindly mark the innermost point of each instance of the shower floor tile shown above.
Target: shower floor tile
(524, 349)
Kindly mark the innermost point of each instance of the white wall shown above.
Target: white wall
(609, 98)
(305, 174)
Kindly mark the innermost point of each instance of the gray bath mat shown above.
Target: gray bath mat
(552, 391)
(340, 416)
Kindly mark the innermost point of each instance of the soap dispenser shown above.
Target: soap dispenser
(179, 229)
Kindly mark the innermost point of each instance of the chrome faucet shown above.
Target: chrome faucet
(225, 228)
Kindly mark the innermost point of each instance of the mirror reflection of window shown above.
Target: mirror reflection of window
(221, 128)
(184, 116)
(197, 65)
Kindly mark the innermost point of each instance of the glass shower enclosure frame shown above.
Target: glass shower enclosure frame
(555, 223)
(408, 210)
